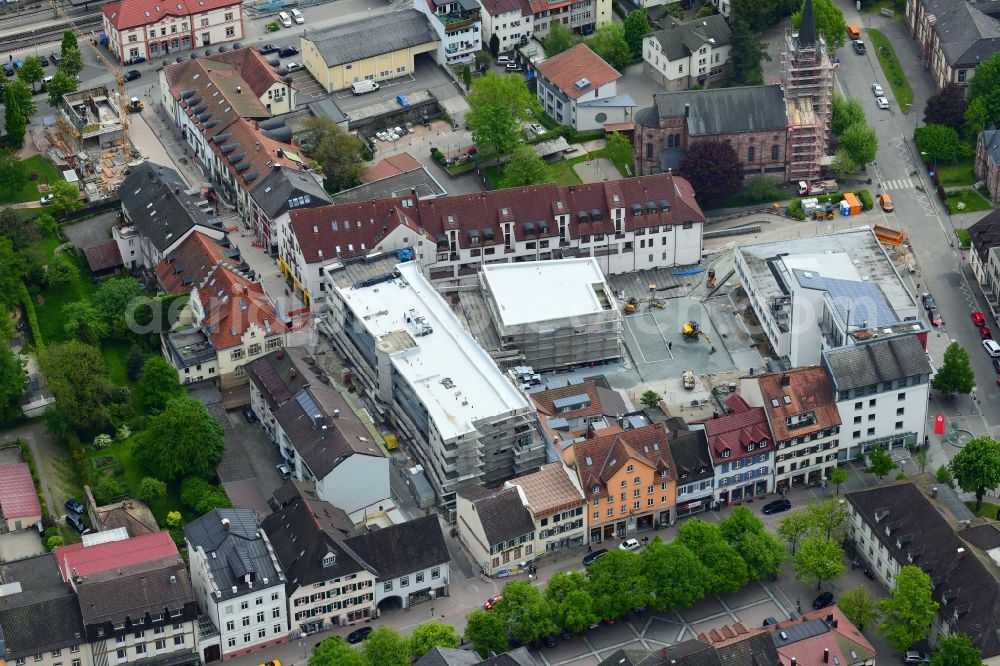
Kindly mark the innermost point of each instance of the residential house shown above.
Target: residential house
(514, 22)
(577, 88)
(496, 528)
(629, 480)
(442, 656)
(458, 29)
(144, 29)
(804, 420)
(130, 515)
(394, 176)
(509, 20)
(375, 48)
(984, 237)
(741, 445)
(239, 585)
(558, 509)
(823, 636)
(19, 505)
(320, 436)
(988, 162)
(569, 413)
(188, 265)
(628, 225)
(882, 390)
(695, 471)
(104, 259)
(40, 618)
(135, 597)
(687, 53)
(953, 37)
(906, 523)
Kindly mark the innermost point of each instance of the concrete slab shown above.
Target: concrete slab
(755, 615)
(92, 231)
(707, 607)
(663, 630)
(597, 171)
(18, 545)
(608, 635)
(752, 593)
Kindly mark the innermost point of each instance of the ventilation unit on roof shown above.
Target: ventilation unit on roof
(582, 83)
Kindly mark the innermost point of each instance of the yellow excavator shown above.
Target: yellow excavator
(633, 303)
(692, 332)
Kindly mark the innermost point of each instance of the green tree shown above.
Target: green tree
(794, 527)
(617, 584)
(494, 45)
(747, 51)
(134, 362)
(609, 42)
(859, 605)
(955, 375)
(486, 631)
(12, 288)
(908, 614)
(976, 467)
(31, 71)
(987, 89)
(338, 152)
(860, 142)
(157, 385)
(61, 84)
(676, 577)
(560, 39)
(944, 476)
(947, 107)
(818, 559)
(714, 171)
(728, 571)
(386, 647)
(65, 198)
(620, 150)
(68, 42)
(497, 107)
(15, 123)
(13, 177)
(650, 398)
(525, 167)
(184, 439)
(843, 164)
(838, 477)
(23, 97)
(335, 651)
(525, 612)
(174, 519)
(201, 496)
(977, 117)
(922, 458)
(956, 650)
(13, 381)
(151, 489)
(467, 74)
(53, 542)
(846, 112)
(880, 463)
(113, 299)
(108, 489)
(60, 272)
(79, 383)
(761, 15)
(81, 322)
(827, 518)
(829, 20)
(939, 142)
(761, 551)
(636, 27)
(568, 595)
(432, 635)
(71, 63)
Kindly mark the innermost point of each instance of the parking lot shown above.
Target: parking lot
(427, 76)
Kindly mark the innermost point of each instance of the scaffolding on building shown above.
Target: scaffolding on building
(807, 78)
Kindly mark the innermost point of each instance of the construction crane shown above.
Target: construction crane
(123, 101)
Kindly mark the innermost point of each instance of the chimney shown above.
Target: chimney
(234, 589)
(225, 524)
(256, 145)
(239, 89)
(829, 617)
(336, 413)
(784, 379)
(826, 655)
(173, 579)
(795, 661)
(687, 110)
(934, 492)
(835, 623)
(960, 553)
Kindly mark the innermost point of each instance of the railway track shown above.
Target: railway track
(21, 38)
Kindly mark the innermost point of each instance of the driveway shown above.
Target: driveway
(50, 459)
(20, 544)
(92, 231)
(262, 453)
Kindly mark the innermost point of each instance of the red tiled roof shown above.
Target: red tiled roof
(18, 497)
(736, 430)
(539, 6)
(574, 66)
(598, 459)
(103, 257)
(232, 305)
(544, 400)
(80, 560)
(192, 261)
(497, 7)
(260, 153)
(808, 390)
(841, 640)
(357, 227)
(391, 166)
(132, 13)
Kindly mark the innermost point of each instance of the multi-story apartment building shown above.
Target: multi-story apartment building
(509, 20)
(984, 257)
(458, 28)
(496, 528)
(420, 370)
(695, 471)
(570, 412)
(577, 88)
(238, 583)
(148, 29)
(742, 449)
(558, 509)
(628, 225)
(988, 161)
(953, 37)
(514, 22)
(686, 54)
(882, 388)
(629, 480)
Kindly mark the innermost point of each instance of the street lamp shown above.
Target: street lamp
(432, 594)
(935, 162)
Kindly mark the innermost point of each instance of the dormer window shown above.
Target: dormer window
(663, 472)
(725, 453)
(595, 489)
(750, 446)
(329, 559)
(763, 443)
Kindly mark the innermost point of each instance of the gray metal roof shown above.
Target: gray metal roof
(725, 110)
(876, 362)
(370, 37)
(38, 613)
(238, 551)
(282, 189)
(991, 142)
(327, 108)
(679, 40)
(966, 31)
(399, 185)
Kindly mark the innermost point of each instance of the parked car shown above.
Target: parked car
(777, 506)
(928, 301)
(996, 364)
(935, 316)
(992, 347)
(284, 19)
(76, 522)
(885, 202)
(566, 634)
(859, 47)
(877, 89)
(8, 69)
(359, 635)
(512, 67)
(132, 75)
(590, 558)
(45, 60)
(883, 103)
(293, 66)
(630, 544)
(267, 49)
(492, 601)
(284, 470)
(503, 60)
(276, 662)
(823, 600)
(914, 657)
(769, 621)
(298, 17)
(55, 58)
(74, 506)
(287, 51)
(249, 414)
(45, 200)
(978, 319)
(537, 129)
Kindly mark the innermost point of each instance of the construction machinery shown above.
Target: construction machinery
(711, 278)
(135, 105)
(688, 379)
(827, 212)
(691, 332)
(652, 301)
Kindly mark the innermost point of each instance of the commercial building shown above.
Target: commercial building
(376, 48)
(420, 370)
(496, 528)
(569, 413)
(150, 30)
(577, 88)
(906, 523)
(882, 388)
(558, 509)
(695, 471)
(458, 28)
(553, 314)
(742, 449)
(394, 176)
(191, 261)
(988, 161)
(984, 259)
(238, 583)
(689, 53)
(953, 37)
(811, 294)
(733, 644)
(19, 505)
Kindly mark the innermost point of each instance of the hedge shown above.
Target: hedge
(570, 134)
(964, 240)
(29, 309)
(29, 458)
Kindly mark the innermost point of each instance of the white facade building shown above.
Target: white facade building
(148, 29)
(684, 54)
(577, 88)
(458, 28)
(510, 20)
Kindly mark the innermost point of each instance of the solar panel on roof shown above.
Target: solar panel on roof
(307, 404)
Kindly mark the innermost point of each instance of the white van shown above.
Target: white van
(298, 17)
(284, 19)
(364, 86)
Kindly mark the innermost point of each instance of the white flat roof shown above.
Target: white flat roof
(536, 291)
(833, 265)
(455, 379)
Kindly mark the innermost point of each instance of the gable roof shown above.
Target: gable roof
(249, 150)
(38, 613)
(799, 392)
(689, 449)
(501, 513)
(681, 39)
(577, 71)
(402, 548)
(187, 266)
(498, 7)
(965, 33)
(18, 497)
(131, 515)
(875, 362)
(736, 431)
(600, 458)
(103, 257)
(726, 110)
(279, 375)
(133, 13)
(985, 233)
(282, 189)
(828, 629)
(372, 36)
(149, 587)
(392, 165)
(552, 489)
(232, 305)
(991, 142)
(552, 401)
(79, 559)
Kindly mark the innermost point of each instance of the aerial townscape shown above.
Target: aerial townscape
(500, 332)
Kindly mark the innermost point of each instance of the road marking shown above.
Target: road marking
(898, 184)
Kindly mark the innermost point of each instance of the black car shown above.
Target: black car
(550, 641)
(859, 47)
(248, 414)
(590, 558)
(74, 506)
(132, 75)
(996, 364)
(45, 61)
(55, 58)
(359, 635)
(777, 506)
(287, 52)
(267, 49)
(928, 301)
(76, 522)
(8, 70)
(823, 600)
(566, 634)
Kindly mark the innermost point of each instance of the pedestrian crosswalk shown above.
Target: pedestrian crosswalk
(898, 184)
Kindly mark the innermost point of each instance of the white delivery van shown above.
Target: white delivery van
(364, 86)
(284, 19)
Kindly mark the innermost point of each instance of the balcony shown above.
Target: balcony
(457, 20)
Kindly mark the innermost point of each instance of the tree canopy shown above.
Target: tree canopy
(846, 112)
(335, 651)
(486, 631)
(984, 88)
(432, 635)
(13, 223)
(13, 380)
(818, 560)
(976, 467)
(79, 383)
(955, 374)
(829, 20)
(617, 584)
(636, 27)
(184, 439)
(761, 551)
(339, 153)
(860, 142)
(113, 299)
(65, 198)
(157, 385)
(938, 142)
(908, 614)
(15, 124)
(560, 39)
(609, 42)
(947, 107)
(727, 571)
(497, 107)
(525, 167)
(568, 595)
(677, 578)
(956, 650)
(714, 171)
(860, 606)
(31, 72)
(747, 50)
(880, 463)
(385, 647)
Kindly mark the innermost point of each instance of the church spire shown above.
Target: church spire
(807, 31)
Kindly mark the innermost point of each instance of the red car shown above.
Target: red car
(978, 319)
(985, 333)
(492, 601)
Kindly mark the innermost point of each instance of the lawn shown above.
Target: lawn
(625, 168)
(987, 510)
(892, 69)
(131, 474)
(115, 352)
(960, 173)
(560, 173)
(970, 198)
(29, 192)
(49, 310)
